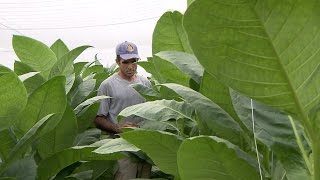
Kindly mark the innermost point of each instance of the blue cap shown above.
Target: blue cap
(127, 50)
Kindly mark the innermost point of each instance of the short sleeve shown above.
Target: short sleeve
(104, 103)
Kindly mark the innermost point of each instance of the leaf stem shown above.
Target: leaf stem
(316, 159)
(299, 142)
(255, 140)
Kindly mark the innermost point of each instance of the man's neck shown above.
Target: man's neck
(123, 76)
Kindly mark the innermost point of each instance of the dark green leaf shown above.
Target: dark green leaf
(13, 94)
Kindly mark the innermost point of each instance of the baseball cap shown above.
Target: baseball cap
(127, 50)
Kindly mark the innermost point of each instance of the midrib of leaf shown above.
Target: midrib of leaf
(177, 112)
(305, 119)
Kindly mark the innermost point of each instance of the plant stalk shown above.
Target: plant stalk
(316, 160)
(299, 142)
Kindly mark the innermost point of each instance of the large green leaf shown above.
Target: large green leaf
(13, 95)
(22, 169)
(78, 67)
(59, 48)
(34, 53)
(267, 50)
(25, 142)
(116, 145)
(64, 66)
(212, 117)
(189, 2)
(161, 147)
(80, 93)
(186, 62)
(86, 117)
(169, 35)
(213, 158)
(273, 128)
(161, 110)
(148, 93)
(89, 102)
(52, 165)
(46, 99)
(7, 143)
(32, 83)
(92, 69)
(69, 82)
(87, 137)
(155, 125)
(61, 137)
(94, 170)
(149, 66)
(218, 93)
(26, 76)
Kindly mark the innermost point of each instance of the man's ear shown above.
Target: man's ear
(118, 61)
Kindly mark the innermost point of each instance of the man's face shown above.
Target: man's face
(128, 67)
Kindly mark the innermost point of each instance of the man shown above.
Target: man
(123, 95)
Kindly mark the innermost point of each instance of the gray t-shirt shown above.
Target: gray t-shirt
(123, 95)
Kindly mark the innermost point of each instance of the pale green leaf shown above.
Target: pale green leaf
(26, 76)
(212, 118)
(51, 166)
(48, 98)
(64, 65)
(267, 50)
(273, 128)
(212, 158)
(34, 53)
(187, 63)
(86, 116)
(61, 137)
(25, 142)
(59, 48)
(89, 102)
(80, 93)
(160, 110)
(78, 67)
(69, 82)
(116, 145)
(92, 69)
(189, 2)
(22, 169)
(169, 35)
(161, 147)
(87, 137)
(148, 93)
(149, 67)
(33, 82)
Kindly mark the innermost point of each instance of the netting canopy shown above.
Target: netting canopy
(98, 23)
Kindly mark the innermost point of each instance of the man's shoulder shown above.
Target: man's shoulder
(109, 82)
(110, 79)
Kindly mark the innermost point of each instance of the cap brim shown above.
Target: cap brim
(129, 56)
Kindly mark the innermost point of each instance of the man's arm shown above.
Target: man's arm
(103, 123)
